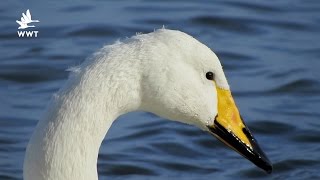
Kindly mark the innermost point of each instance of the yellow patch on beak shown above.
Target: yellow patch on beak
(231, 130)
(229, 116)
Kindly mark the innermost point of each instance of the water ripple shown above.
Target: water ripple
(92, 31)
(269, 51)
(306, 136)
(225, 23)
(271, 128)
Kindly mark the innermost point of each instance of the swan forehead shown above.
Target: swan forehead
(190, 51)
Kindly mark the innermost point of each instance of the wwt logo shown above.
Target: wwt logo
(25, 20)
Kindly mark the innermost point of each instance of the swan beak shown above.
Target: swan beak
(230, 129)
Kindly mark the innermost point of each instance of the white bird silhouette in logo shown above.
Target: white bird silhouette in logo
(25, 20)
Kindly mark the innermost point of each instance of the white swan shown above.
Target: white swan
(166, 72)
(25, 20)
(27, 17)
(23, 25)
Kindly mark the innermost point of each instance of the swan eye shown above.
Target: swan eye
(210, 75)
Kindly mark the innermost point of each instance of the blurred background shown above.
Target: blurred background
(270, 52)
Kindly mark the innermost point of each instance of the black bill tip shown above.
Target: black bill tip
(258, 157)
(253, 153)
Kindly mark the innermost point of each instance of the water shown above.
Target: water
(270, 51)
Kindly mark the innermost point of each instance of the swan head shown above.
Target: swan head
(184, 81)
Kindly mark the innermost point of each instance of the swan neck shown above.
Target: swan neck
(66, 142)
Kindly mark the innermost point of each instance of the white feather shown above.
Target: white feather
(161, 72)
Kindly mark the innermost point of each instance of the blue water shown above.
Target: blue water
(270, 52)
